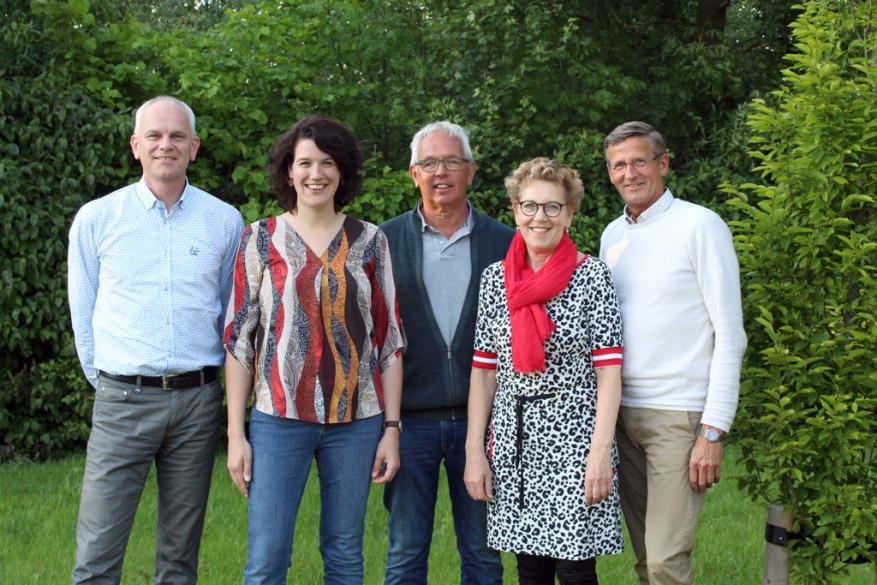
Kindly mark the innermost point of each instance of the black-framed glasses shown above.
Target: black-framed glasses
(639, 164)
(531, 208)
(431, 165)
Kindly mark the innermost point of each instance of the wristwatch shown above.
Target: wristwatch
(710, 434)
(392, 424)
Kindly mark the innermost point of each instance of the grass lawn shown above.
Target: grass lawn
(39, 502)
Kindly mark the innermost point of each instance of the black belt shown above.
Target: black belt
(518, 457)
(173, 382)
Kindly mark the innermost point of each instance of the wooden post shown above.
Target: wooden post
(776, 558)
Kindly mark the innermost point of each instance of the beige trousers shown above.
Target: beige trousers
(660, 508)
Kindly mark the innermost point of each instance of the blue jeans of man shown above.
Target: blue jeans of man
(282, 453)
(410, 499)
(132, 427)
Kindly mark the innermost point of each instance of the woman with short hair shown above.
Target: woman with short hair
(545, 390)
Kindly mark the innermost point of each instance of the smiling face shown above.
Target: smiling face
(164, 144)
(442, 190)
(315, 176)
(541, 233)
(638, 187)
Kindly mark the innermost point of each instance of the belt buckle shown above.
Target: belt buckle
(165, 382)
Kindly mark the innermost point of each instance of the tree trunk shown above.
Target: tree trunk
(776, 557)
(711, 19)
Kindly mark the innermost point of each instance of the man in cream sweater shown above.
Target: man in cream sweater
(678, 283)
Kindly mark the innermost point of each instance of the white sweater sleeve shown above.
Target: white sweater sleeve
(718, 276)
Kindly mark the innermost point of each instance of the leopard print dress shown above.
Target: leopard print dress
(541, 423)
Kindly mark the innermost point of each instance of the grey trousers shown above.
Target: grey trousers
(132, 427)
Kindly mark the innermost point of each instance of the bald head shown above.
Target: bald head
(138, 117)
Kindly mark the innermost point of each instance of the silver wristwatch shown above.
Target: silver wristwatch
(710, 434)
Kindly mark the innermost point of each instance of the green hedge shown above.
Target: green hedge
(527, 78)
(62, 122)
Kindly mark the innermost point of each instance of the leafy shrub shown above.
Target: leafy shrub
(808, 246)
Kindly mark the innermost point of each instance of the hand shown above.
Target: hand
(705, 464)
(386, 457)
(240, 464)
(478, 477)
(598, 476)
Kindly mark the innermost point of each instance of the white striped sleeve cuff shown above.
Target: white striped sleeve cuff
(607, 356)
(484, 360)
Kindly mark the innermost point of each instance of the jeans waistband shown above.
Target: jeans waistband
(447, 413)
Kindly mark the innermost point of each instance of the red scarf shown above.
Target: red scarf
(527, 292)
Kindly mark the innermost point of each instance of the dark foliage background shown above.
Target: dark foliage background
(526, 78)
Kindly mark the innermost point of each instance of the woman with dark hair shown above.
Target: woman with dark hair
(545, 390)
(312, 331)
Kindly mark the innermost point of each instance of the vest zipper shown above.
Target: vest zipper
(450, 378)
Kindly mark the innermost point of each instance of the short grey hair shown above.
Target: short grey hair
(449, 128)
(165, 98)
(631, 129)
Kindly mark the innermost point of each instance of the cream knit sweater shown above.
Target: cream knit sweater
(678, 283)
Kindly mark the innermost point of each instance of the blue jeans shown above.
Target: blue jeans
(411, 497)
(282, 454)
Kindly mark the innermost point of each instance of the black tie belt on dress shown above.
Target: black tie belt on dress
(518, 459)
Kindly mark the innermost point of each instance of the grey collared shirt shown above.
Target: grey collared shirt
(447, 268)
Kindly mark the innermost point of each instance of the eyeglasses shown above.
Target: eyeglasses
(638, 164)
(431, 165)
(531, 208)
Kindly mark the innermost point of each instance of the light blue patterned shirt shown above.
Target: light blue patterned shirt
(148, 288)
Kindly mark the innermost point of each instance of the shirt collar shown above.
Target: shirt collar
(654, 210)
(148, 198)
(467, 226)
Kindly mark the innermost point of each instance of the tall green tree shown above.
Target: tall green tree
(808, 253)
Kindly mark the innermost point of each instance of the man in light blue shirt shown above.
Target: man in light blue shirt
(149, 273)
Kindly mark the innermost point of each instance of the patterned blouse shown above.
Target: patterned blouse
(315, 332)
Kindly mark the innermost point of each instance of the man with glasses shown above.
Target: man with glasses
(149, 274)
(439, 250)
(678, 285)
